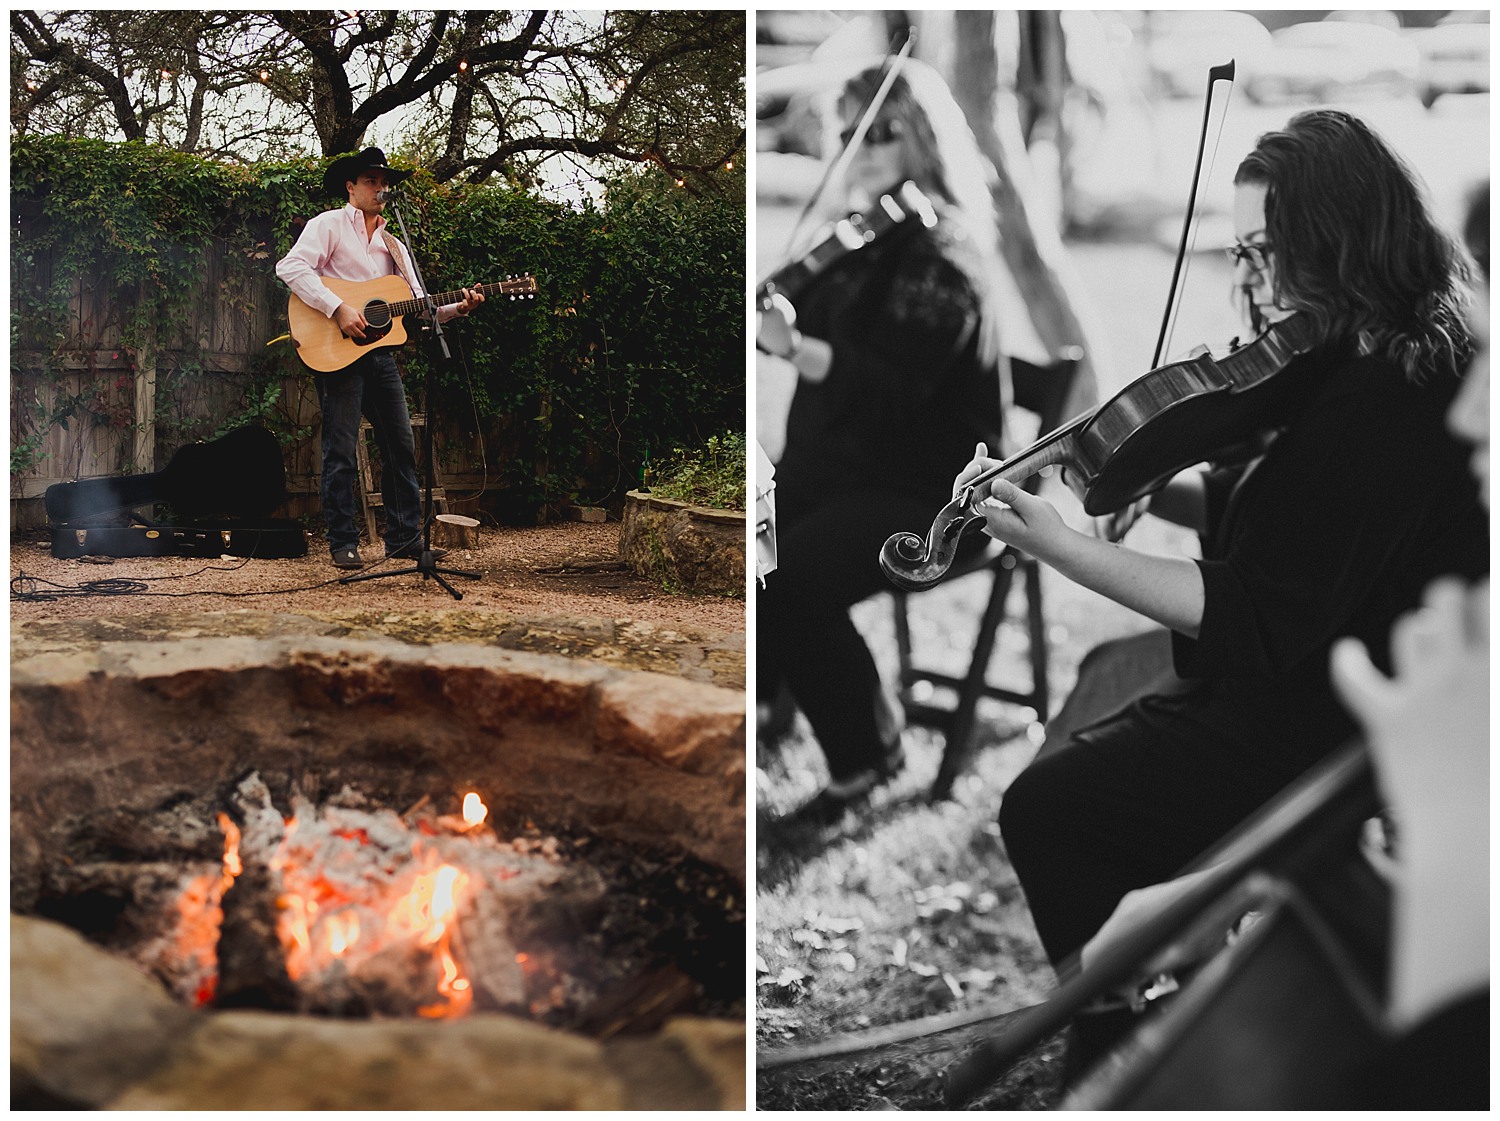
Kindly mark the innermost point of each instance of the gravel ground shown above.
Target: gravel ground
(567, 568)
(567, 574)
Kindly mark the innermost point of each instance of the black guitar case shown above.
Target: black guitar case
(220, 494)
(265, 538)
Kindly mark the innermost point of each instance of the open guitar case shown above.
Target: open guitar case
(220, 496)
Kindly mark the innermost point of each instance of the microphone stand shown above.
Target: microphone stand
(426, 564)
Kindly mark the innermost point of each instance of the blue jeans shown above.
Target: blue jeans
(371, 386)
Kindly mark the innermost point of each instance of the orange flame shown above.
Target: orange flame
(343, 932)
(475, 811)
(434, 897)
(425, 911)
(321, 921)
(452, 986)
(232, 865)
(295, 932)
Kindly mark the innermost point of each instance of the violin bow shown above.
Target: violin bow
(890, 66)
(1223, 73)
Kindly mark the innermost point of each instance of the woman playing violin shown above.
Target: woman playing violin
(897, 350)
(1359, 502)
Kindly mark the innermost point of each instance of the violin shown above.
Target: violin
(1193, 411)
(1170, 418)
(849, 235)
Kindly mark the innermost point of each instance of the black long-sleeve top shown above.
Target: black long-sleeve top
(908, 394)
(1360, 503)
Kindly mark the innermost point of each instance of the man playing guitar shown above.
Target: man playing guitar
(353, 244)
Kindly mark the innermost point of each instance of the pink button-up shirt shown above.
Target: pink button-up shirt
(335, 244)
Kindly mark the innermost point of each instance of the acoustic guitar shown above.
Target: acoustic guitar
(384, 301)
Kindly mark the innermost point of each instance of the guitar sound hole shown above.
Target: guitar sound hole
(377, 322)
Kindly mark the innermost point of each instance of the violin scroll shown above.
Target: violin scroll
(913, 563)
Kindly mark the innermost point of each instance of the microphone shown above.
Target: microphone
(386, 195)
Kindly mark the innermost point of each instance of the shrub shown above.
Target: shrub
(712, 476)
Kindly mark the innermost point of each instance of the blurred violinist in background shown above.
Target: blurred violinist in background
(897, 347)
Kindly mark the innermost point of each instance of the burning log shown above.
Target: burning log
(252, 969)
(252, 965)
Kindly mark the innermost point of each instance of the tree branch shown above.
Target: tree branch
(44, 47)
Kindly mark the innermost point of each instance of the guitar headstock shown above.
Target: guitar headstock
(521, 287)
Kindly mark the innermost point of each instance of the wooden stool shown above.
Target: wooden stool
(371, 497)
(1043, 391)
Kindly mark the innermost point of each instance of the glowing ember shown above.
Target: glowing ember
(475, 811)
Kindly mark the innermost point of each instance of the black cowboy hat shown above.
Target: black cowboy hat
(346, 168)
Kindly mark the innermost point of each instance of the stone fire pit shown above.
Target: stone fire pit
(633, 758)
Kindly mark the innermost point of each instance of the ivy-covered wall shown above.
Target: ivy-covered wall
(141, 273)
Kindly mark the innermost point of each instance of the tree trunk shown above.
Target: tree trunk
(1030, 244)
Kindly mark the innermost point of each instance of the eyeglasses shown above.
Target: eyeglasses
(881, 132)
(1255, 254)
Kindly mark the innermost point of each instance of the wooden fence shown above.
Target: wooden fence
(137, 403)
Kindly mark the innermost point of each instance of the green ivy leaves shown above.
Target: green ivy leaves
(635, 341)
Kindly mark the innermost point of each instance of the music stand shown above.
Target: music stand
(425, 564)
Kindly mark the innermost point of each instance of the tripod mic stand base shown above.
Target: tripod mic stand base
(427, 568)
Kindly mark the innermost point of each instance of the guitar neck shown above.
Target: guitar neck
(442, 299)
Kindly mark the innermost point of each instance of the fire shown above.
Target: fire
(342, 903)
(426, 914)
(475, 811)
(375, 912)
(200, 913)
(453, 987)
(232, 865)
(295, 934)
(343, 932)
(428, 908)
(368, 903)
